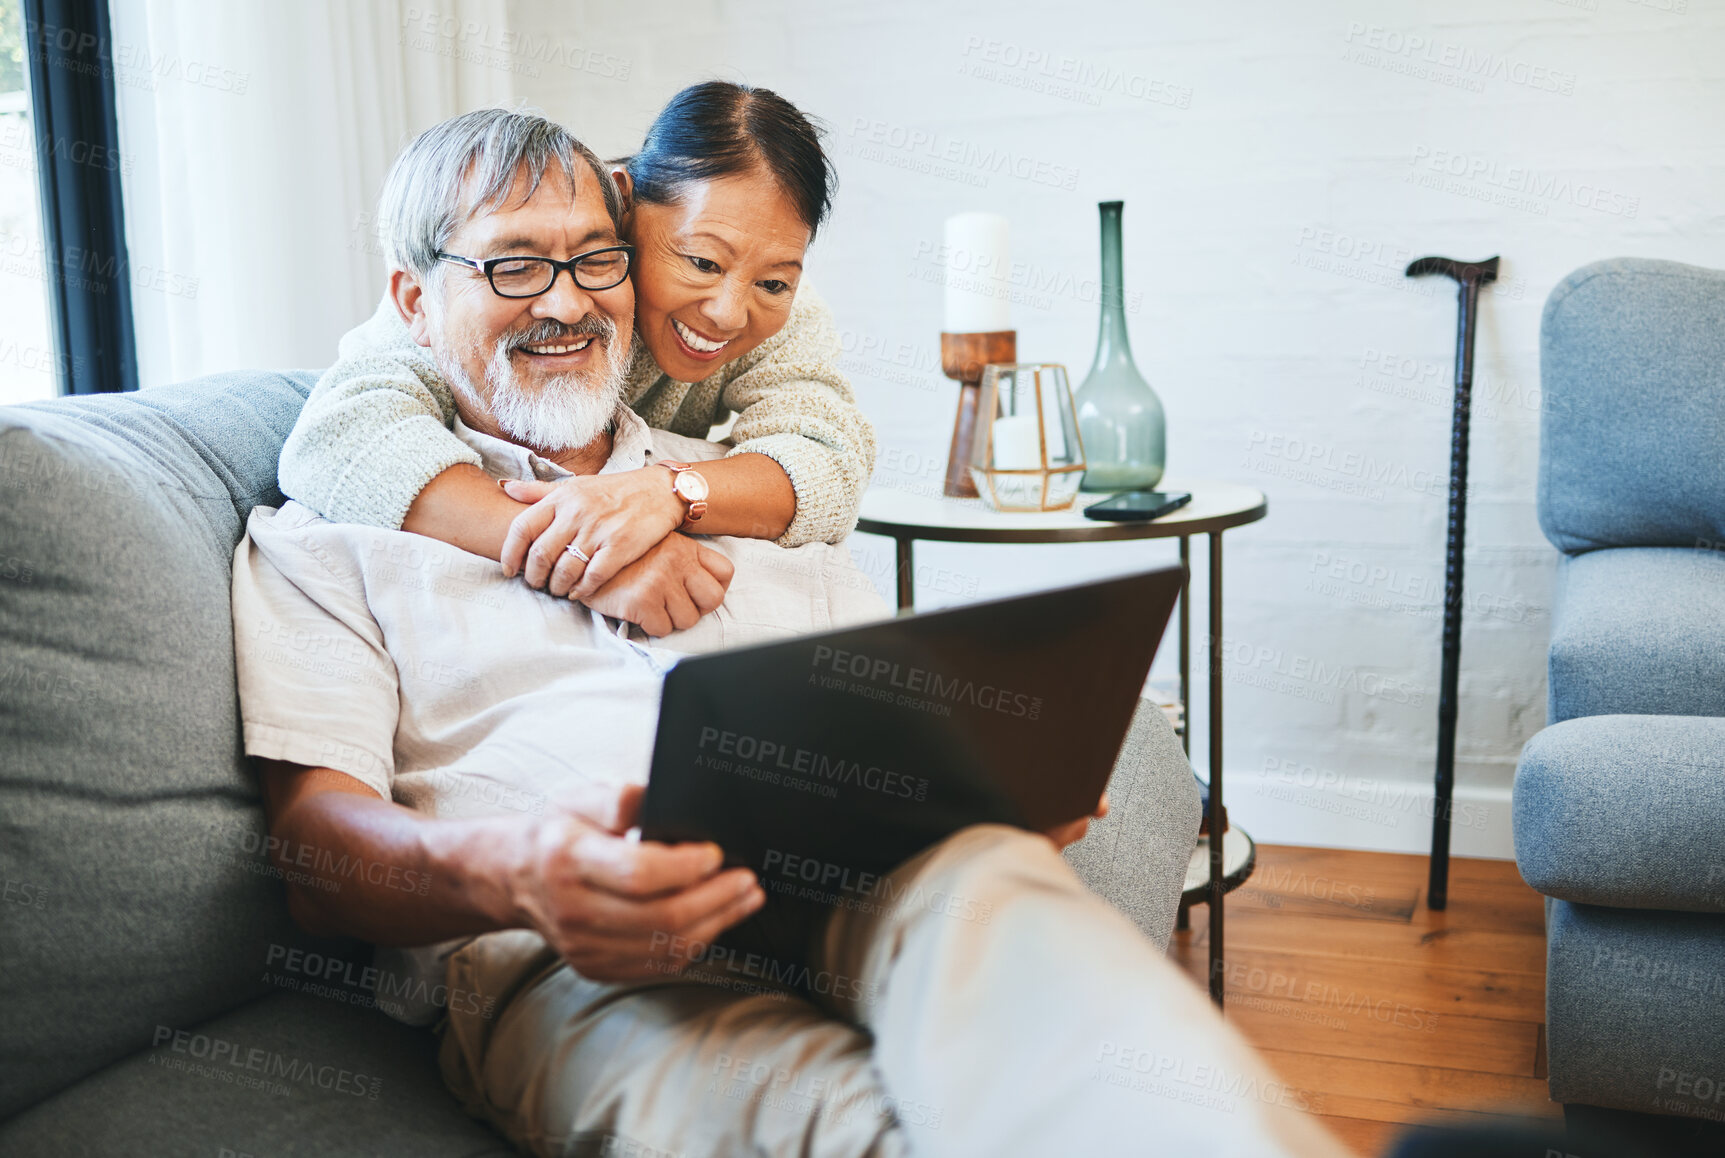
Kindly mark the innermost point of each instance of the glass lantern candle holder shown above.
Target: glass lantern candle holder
(1026, 454)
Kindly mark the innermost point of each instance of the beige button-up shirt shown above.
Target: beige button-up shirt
(420, 671)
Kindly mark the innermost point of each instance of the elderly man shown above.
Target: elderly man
(476, 748)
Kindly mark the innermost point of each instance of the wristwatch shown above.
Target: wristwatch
(690, 485)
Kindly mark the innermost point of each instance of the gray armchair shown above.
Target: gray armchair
(149, 1004)
(1619, 804)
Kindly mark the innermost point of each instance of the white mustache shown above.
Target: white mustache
(546, 331)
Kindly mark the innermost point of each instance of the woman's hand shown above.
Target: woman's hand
(612, 518)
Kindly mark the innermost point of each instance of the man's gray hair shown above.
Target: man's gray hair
(469, 165)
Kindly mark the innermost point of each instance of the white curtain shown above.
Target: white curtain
(255, 136)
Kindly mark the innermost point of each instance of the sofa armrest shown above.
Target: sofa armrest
(1135, 858)
(1625, 811)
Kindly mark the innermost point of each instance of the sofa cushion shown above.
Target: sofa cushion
(1635, 1010)
(326, 1079)
(1632, 381)
(1638, 630)
(1626, 811)
(135, 892)
(1135, 857)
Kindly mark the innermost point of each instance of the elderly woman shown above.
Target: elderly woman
(718, 208)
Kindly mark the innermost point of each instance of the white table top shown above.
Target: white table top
(927, 514)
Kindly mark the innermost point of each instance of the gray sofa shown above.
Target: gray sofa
(1619, 803)
(157, 998)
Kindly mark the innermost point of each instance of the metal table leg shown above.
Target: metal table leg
(1183, 918)
(1215, 714)
(1186, 649)
(906, 575)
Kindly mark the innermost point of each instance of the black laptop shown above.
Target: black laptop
(823, 761)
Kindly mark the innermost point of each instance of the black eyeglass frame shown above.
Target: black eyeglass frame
(491, 263)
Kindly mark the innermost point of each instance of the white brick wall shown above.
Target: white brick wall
(1280, 164)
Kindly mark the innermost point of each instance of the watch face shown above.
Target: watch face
(691, 485)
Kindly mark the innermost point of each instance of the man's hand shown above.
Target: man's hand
(613, 907)
(613, 518)
(668, 588)
(1074, 832)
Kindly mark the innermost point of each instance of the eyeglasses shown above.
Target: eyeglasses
(528, 277)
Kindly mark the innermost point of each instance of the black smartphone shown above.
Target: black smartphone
(1138, 506)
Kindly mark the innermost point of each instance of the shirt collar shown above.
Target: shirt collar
(631, 449)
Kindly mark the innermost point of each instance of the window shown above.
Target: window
(28, 362)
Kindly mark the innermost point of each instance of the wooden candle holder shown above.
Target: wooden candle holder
(962, 356)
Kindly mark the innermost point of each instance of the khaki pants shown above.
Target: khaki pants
(989, 1005)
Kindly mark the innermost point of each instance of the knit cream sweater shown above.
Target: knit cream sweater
(376, 428)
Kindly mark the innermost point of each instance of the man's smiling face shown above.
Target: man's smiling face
(546, 371)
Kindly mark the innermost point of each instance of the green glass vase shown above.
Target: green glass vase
(1120, 418)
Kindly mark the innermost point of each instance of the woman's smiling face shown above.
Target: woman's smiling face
(715, 272)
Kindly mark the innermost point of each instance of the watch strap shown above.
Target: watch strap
(693, 508)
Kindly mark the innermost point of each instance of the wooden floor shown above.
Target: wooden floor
(1383, 1011)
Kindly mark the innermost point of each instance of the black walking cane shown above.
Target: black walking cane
(1471, 275)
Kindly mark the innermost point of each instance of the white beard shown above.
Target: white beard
(567, 412)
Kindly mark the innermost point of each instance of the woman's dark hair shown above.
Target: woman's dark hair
(718, 129)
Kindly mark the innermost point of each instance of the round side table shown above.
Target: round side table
(906, 516)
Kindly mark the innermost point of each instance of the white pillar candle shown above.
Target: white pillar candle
(977, 260)
(1017, 443)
